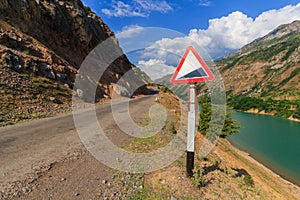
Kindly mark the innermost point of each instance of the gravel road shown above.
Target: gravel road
(30, 149)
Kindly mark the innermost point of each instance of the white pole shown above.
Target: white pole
(191, 130)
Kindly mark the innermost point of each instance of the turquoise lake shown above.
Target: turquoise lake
(273, 141)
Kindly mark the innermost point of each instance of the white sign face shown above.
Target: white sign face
(191, 68)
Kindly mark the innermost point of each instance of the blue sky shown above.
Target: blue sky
(183, 15)
(217, 26)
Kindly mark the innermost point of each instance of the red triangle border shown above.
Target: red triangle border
(192, 80)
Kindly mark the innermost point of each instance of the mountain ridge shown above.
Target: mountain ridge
(263, 75)
(268, 66)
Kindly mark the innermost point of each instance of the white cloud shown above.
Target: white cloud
(156, 68)
(149, 5)
(130, 31)
(223, 35)
(232, 31)
(138, 8)
(171, 50)
(204, 3)
(121, 9)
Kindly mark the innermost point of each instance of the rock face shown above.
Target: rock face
(66, 27)
(43, 44)
(52, 38)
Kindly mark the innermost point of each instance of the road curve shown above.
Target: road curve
(29, 148)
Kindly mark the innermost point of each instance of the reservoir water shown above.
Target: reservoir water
(273, 141)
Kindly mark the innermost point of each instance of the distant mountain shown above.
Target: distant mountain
(180, 90)
(42, 45)
(142, 74)
(269, 66)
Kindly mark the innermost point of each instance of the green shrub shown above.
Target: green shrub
(215, 124)
(198, 178)
(248, 180)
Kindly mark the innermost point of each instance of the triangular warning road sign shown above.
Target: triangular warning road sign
(192, 68)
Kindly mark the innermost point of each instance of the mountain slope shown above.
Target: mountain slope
(42, 45)
(269, 66)
(263, 76)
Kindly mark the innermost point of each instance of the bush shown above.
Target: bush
(198, 178)
(248, 180)
(230, 126)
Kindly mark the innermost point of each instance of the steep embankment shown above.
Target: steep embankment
(42, 45)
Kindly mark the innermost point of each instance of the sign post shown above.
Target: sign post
(190, 70)
(191, 130)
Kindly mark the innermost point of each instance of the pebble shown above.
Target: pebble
(63, 179)
(76, 194)
(16, 194)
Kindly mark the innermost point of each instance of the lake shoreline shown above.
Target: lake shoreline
(293, 187)
(256, 111)
(253, 158)
(263, 139)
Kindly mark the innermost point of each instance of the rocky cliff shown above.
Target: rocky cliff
(66, 27)
(42, 45)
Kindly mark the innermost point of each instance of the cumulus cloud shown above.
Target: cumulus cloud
(130, 31)
(223, 35)
(171, 50)
(156, 68)
(234, 30)
(137, 8)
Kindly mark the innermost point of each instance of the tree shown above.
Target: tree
(205, 117)
(230, 126)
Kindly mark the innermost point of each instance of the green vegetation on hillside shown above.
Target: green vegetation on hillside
(229, 62)
(266, 52)
(264, 75)
(164, 89)
(281, 108)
